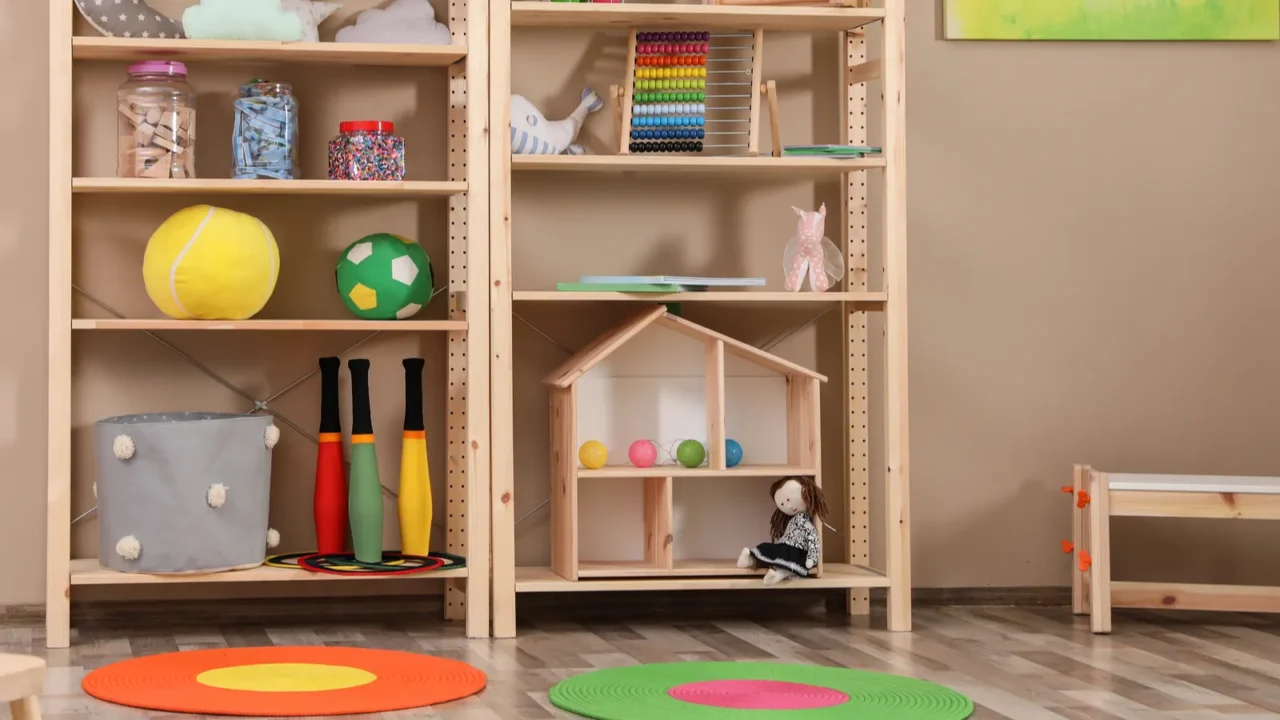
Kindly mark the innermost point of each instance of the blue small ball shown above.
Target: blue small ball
(732, 452)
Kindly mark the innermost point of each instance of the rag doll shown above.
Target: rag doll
(793, 530)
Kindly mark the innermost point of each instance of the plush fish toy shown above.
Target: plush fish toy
(533, 134)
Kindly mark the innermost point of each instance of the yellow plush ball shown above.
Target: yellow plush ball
(208, 263)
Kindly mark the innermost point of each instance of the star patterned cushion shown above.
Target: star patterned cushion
(128, 18)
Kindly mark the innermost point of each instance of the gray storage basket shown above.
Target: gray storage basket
(183, 492)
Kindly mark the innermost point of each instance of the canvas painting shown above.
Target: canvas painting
(1112, 19)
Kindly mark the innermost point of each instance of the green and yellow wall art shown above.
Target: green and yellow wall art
(1112, 19)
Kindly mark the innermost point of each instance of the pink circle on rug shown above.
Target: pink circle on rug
(758, 695)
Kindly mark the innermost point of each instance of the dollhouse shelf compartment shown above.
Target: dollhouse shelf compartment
(303, 325)
(89, 572)
(669, 471)
(243, 51)
(712, 17)
(753, 167)
(834, 576)
(218, 186)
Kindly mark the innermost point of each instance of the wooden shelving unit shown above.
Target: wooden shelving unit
(855, 297)
(466, 327)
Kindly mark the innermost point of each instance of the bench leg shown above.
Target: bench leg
(1077, 541)
(27, 708)
(1099, 509)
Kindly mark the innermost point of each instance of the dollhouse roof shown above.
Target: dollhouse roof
(582, 361)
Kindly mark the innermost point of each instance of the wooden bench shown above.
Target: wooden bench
(1108, 495)
(21, 682)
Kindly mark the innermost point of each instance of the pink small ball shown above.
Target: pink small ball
(642, 453)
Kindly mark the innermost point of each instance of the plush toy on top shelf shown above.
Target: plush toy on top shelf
(407, 22)
(145, 22)
(811, 254)
(795, 546)
(533, 134)
(280, 20)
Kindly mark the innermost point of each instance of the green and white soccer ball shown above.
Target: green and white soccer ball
(385, 277)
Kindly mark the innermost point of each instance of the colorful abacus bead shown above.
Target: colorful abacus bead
(669, 91)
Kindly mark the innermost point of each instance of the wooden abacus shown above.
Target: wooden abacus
(685, 92)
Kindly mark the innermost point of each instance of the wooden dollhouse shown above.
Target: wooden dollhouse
(799, 392)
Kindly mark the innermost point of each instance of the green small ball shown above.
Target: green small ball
(691, 453)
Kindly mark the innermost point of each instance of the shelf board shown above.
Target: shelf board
(303, 325)
(223, 186)
(628, 471)
(834, 575)
(708, 17)
(244, 51)
(766, 166)
(89, 572)
(682, 568)
(871, 300)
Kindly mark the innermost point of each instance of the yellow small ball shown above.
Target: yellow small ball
(593, 454)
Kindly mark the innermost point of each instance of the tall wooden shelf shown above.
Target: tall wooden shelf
(466, 327)
(856, 298)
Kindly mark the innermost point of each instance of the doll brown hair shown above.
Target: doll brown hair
(813, 500)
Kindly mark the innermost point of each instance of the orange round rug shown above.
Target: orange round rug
(288, 681)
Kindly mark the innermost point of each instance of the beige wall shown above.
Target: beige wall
(1091, 280)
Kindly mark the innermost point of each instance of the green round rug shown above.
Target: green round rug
(740, 690)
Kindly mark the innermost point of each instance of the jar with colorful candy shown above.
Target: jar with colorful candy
(264, 143)
(366, 150)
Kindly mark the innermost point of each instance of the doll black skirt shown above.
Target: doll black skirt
(782, 557)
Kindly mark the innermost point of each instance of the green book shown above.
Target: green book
(829, 150)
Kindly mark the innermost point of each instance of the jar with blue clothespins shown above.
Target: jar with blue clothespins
(264, 143)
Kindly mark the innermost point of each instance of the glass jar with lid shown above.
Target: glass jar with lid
(264, 142)
(156, 116)
(366, 150)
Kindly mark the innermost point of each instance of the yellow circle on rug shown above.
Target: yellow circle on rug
(178, 682)
(286, 677)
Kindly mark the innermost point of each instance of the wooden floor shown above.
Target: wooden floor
(1016, 663)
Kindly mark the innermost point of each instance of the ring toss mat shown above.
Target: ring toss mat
(284, 681)
(767, 691)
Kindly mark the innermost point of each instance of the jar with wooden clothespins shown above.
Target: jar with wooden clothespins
(156, 114)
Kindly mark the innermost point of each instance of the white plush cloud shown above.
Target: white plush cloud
(408, 22)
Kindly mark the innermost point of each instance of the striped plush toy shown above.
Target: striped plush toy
(533, 134)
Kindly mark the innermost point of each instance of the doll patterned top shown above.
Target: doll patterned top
(801, 533)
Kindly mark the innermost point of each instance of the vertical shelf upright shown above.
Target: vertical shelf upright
(465, 517)
(857, 297)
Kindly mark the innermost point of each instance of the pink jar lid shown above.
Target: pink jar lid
(158, 67)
